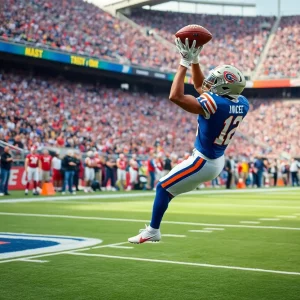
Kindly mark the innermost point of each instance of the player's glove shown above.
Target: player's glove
(188, 54)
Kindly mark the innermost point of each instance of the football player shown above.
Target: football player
(220, 109)
(32, 171)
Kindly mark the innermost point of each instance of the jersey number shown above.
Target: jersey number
(225, 136)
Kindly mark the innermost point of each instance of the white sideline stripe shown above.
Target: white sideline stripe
(145, 221)
(210, 228)
(249, 222)
(207, 231)
(269, 219)
(174, 235)
(34, 260)
(185, 263)
(288, 217)
(121, 247)
(145, 194)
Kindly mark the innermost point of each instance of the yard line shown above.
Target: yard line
(185, 263)
(145, 194)
(143, 221)
(174, 235)
(288, 217)
(249, 222)
(121, 247)
(109, 245)
(269, 219)
(210, 228)
(207, 231)
(34, 260)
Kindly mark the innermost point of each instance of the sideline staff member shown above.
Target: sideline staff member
(6, 161)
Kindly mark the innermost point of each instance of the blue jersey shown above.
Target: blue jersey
(217, 127)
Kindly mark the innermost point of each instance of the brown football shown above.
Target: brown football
(194, 32)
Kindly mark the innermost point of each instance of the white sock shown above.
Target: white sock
(152, 230)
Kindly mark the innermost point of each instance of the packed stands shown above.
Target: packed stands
(236, 40)
(56, 112)
(82, 28)
(283, 59)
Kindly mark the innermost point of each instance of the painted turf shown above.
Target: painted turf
(145, 221)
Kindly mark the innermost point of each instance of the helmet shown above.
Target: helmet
(225, 80)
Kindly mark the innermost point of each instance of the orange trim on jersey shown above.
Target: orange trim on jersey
(186, 172)
(212, 102)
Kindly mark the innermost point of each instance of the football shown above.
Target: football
(194, 32)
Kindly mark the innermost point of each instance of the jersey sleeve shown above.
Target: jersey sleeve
(208, 104)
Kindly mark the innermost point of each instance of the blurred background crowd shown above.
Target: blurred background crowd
(82, 28)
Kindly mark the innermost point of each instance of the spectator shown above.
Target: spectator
(229, 167)
(274, 171)
(294, 172)
(259, 169)
(69, 165)
(98, 168)
(110, 166)
(121, 171)
(32, 170)
(89, 172)
(167, 164)
(6, 162)
(77, 170)
(56, 172)
(45, 163)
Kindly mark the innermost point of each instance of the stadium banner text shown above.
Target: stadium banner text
(82, 61)
(89, 62)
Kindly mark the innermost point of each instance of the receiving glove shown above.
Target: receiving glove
(188, 54)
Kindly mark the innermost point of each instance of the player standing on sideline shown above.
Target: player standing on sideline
(89, 172)
(121, 172)
(133, 172)
(32, 170)
(220, 109)
(45, 166)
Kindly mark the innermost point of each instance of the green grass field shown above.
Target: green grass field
(218, 245)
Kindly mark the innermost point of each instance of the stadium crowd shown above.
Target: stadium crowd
(283, 59)
(236, 40)
(54, 112)
(82, 28)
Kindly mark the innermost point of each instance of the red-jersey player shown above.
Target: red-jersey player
(121, 172)
(45, 166)
(32, 171)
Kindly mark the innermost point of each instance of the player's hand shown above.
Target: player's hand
(188, 54)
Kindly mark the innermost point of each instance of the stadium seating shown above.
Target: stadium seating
(55, 111)
(283, 59)
(82, 28)
(236, 40)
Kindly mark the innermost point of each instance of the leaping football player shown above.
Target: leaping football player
(220, 108)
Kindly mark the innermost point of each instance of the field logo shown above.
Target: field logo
(13, 245)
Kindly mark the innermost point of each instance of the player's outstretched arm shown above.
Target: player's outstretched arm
(197, 77)
(186, 102)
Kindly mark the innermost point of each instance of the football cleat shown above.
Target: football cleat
(145, 236)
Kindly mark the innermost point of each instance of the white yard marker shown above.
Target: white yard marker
(185, 263)
(269, 219)
(145, 221)
(109, 245)
(249, 222)
(174, 235)
(34, 260)
(121, 247)
(205, 231)
(287, 217)
(210, 228)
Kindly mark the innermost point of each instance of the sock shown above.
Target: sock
(34, 184)
(160, 205)
(27, 186)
